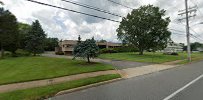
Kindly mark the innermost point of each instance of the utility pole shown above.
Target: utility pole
(188, 11)
(188, 32)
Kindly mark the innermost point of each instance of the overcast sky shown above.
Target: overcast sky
(68, 25)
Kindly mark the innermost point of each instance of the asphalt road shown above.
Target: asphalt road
(156, 86)
(193, 92)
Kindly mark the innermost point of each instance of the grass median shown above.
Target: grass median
(21, 69)
(51, 90)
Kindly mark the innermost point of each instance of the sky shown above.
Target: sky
(67, 25)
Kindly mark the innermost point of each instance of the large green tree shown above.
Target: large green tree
(87, 49)
(8, 32)
(145, 28)
(36, 39)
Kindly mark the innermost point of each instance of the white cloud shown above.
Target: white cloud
(68, 25)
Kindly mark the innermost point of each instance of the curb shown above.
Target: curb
(87, 86)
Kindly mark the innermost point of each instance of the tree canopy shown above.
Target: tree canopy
(36, 39)
(195, 46)
(8, 31)
(1, 3)
(145, 28)
(23, 32)
(87, 49)
(51, 43)
(102, 41)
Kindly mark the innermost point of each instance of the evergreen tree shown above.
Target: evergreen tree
(8, 32)
(35, 39)
(23, 32)
(87, 49)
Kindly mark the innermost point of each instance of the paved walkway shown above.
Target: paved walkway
(31, 84)
(138, 71)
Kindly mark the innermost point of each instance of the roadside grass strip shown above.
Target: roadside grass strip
(49, 91)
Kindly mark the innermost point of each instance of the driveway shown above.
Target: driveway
(117, 63)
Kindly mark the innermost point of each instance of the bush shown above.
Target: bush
(59, 53)
(21, 52)
(171, 53)
(126, 49)
(118, 50)
(174, 53)
(107, 50)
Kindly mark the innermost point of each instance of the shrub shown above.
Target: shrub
(171, 53)
(174, 53)
(7, 54)
(126, 49)
(107, 50)
(119, 50)
(59, 53)
(21, 52)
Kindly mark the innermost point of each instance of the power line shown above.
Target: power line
(198, 36)
(197, 6)
(92, 7)
(72, 10)
(184, 34)
(120, 4)
(194, 37)
(176, 30)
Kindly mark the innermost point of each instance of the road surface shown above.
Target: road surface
(157, 86)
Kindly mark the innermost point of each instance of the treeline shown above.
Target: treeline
(15, 35)
(194, 46)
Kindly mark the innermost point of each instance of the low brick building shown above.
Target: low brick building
(67, 46)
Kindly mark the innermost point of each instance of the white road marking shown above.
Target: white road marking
(184, 87)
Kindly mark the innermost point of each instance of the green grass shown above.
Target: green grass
(22, 69)
(47, 91)
(195, 58)
(147, 57)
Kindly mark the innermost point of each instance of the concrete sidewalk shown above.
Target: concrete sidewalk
(138, 71)
(38, 83)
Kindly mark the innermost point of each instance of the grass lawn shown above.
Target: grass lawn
(48, 91)
(22, 69)
(148, 57)
(194, 59)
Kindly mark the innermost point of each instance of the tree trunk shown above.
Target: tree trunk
(88, 59)
(34, 54)
(14, 54)
(141, 52)
(2, 51)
